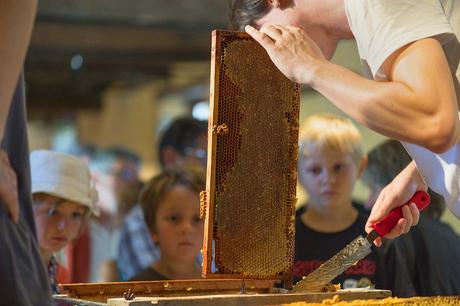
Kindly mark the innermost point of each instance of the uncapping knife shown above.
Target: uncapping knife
(357, 249)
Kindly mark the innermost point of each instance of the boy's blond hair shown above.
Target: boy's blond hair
(329, 132)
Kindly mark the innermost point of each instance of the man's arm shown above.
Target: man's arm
(417, 105)
(16, 21)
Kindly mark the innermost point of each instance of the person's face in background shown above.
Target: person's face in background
(118, 186)
(195, 155)
(328, 177)
(124, 172)
(179, 229)
(58, 221)
(126, 183)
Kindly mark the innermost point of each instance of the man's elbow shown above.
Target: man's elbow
(442, 135)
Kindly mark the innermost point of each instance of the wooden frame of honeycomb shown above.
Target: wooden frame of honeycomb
(249, 202)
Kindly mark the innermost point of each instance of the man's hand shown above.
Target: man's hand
(397, 193)
(292, 50)
(8, 187)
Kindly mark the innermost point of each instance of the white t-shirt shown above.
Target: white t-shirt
(380, 28)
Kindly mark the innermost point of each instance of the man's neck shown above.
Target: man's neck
(326, 22)
(329, 14)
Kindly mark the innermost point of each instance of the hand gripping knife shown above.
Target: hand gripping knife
(357, 249)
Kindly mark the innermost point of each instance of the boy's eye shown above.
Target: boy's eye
(197, 219)
(52, 212)
(314, 170)
(175, 218)
(77, 215)
(338, 167)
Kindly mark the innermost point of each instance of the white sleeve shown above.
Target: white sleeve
(441, 172)
(381, 27)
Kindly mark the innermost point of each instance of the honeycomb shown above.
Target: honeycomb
(252, 159)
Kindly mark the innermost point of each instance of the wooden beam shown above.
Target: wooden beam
(203, 13)
(114, 38)
(253, 299)
(48, 107)
(100, 292)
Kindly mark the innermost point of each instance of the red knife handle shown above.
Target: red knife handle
(420, 198)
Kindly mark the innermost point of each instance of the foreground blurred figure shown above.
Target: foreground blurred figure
(23, 276)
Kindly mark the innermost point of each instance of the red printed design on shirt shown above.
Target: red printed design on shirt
(305, 267)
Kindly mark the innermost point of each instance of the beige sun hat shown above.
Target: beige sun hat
(62, 175)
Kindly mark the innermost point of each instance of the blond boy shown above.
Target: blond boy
(331, 159)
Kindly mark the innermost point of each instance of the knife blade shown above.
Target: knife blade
(359, 248)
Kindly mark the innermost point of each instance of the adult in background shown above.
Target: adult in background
(115, 171)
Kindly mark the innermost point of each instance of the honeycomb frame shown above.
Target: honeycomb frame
(252, 161)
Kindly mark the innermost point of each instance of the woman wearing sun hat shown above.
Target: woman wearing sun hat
(63, 197)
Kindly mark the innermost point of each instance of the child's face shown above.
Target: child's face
(179, 229)
(58, 222)
(328, 177)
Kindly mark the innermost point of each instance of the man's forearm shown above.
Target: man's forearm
(16, 22)
(389, 108)
(419, 106)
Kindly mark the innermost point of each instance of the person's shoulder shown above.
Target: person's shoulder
(134, 214)
(134, 220)
(148, 274)
(300, 210)
(298, 221)
(430, 227)
(143, 275)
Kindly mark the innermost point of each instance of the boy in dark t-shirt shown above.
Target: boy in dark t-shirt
(330, 161)
(171, 205)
